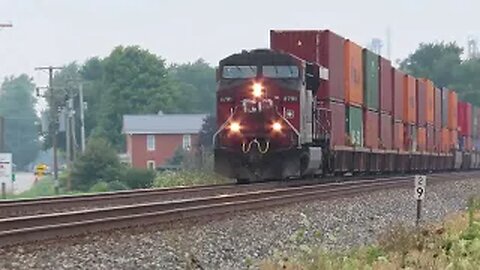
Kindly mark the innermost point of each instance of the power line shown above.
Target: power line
(54, 119)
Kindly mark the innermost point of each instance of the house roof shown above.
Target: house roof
(163, 123)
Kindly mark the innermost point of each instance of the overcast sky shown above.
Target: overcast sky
(56, 32)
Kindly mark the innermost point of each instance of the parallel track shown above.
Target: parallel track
(15, 230)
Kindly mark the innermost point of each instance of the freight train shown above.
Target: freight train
(317, 104)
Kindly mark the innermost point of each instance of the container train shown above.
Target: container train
(315, 103)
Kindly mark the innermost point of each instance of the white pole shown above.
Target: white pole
(82, 119)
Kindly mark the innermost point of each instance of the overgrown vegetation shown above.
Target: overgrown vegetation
(455, 244)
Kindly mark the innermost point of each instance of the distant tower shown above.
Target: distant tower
(472, 48)
(376, 45)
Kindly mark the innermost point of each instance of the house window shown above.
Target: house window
(187, 142)
(151, 142)
(151, 164)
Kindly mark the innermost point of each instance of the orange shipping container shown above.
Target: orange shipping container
(421, 139)
(445, 141)
(430, 102)
(453, 140)
(409, 98)
(452, 110)
(353, 73)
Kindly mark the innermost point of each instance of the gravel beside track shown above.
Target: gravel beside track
(234, 241)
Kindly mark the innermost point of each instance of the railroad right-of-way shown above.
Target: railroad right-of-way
(21, 229)
(235, 241)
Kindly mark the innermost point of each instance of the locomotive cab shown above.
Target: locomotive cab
(265, 116)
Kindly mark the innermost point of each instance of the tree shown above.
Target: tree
(435, 61)
(99, 163)
(135, 81)
(197, 80)
(17, 106)
(209, 127)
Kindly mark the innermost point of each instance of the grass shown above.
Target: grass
(187, 178)
(453, 244)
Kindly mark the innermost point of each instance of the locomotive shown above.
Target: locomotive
(265, 116)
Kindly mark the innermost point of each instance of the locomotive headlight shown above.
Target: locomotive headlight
(277, 127)
(235, 127)
(257, 90)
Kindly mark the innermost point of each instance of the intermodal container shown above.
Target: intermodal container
(370, 79)
(474, 122)
(386, 86)
(421, 139)
(332, 122)
(410, 138)
(453, 139)
(438, 109)
(323, 47)
(430, 103)
(371, 129)
(445, 92)
(410, 100)
(354, 126)
(398, 94)
(464, 112)
(465, 143)
(445, 140)
(386, 130)
(452, 110)
(430, 138)
(437, 140)
(421, 102)
(398, 135)
(353, 73)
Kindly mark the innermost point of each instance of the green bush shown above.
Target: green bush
(99, 187)
(99, 163)
(138, 178)
(116, 185)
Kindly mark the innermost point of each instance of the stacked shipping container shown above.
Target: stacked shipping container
(369, 103)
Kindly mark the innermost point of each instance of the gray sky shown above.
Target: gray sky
(54, 32)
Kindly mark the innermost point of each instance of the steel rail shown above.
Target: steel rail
(11, 208)
(33, 228)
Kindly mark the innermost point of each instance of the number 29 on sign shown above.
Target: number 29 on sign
(420, 184)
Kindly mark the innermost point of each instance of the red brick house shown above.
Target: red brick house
(153, 139)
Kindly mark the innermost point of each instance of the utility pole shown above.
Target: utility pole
(82, 118)
(54, 120)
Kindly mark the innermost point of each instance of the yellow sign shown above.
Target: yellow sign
(40, 169)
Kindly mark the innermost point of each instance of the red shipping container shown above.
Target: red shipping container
(398, 95)
(410, 99)
(398, 134)
(445, 140)
(464, 117)
(410, 138)
(453, 142)
(332, 122)
(370, 132)
(430, 139)
(386, 84)
(437, 141)
(421, 139)
(421, 102)
(323, 47)
(385, 131)
(438, 108)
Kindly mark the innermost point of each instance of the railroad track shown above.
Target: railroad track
(15, 230)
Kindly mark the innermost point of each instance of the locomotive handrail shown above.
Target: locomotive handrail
(222, 127)
(291, 126)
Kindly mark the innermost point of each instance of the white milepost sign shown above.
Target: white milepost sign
(420, 185)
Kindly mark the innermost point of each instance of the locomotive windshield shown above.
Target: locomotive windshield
(280, 71)
(239, 72)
